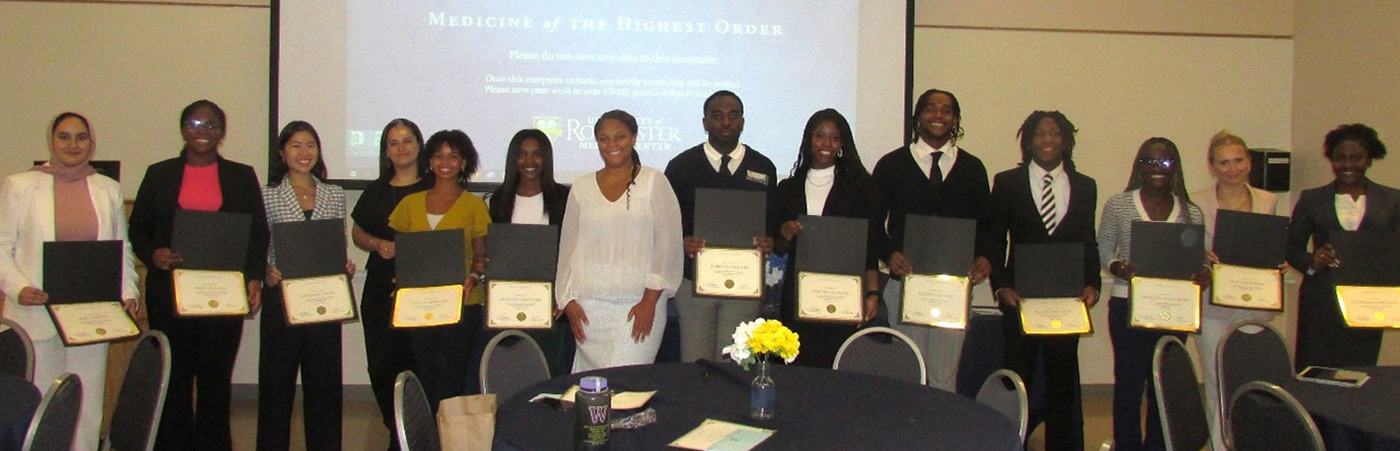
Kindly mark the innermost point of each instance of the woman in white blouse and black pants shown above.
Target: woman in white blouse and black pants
(1350, 202)
(619, 253)
(297, 192)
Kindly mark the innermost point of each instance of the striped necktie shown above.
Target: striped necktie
(1047, 205)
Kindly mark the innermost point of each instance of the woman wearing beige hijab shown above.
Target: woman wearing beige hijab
(62, 200)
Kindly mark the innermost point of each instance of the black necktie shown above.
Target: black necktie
(724, 166)
(935, 173)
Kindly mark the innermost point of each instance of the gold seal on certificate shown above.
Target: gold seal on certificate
(210, 293)
(318, 299)
(92, 322)
(428, 306)
(729, 272)
(1165, 304)
(1370, 307)
(519, 304)
(1055, 316)
(829, 297)
(1247, 288)
(936, 300)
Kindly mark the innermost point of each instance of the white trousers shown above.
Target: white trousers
(52, 359)
(608, 336)
(941, 348)
(1216, 323)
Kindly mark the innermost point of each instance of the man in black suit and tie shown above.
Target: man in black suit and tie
(931, 176)
(707, 323)
(1045, 201)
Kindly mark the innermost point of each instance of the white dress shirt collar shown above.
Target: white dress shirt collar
(736, 156)
(923, 155)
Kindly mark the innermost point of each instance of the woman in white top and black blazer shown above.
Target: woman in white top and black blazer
(1350, 202)
(29, 204)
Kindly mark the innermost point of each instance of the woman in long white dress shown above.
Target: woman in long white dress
(619, 253)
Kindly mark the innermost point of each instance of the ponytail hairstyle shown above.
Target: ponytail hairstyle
(386, 167)
(631, 123)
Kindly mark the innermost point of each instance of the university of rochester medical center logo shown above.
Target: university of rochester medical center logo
(549, 125)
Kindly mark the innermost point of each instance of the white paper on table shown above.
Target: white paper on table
(715, 435)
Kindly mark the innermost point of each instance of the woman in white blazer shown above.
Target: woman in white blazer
(44, 204)
(1229, 162)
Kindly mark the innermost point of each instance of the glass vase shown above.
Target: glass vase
(763, 394)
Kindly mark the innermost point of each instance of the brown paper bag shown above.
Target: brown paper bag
(467, 423)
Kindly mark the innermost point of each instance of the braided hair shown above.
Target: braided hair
(631, 123)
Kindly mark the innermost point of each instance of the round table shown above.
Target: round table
(1354, 418)
(818, 409)
(18, 400)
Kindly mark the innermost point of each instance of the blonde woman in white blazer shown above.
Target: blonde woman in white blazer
(28, 202)
(1229, 163)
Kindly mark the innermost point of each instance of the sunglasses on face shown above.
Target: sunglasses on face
(1164, 163)
(200, 125)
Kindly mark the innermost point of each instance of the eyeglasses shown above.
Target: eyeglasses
(1164, 163)
(208, 126)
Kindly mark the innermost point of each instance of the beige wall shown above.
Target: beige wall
(1216, 17)
(131, 69)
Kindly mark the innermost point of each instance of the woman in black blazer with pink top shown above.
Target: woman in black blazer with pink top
(828, 167)
(202, 349)
(1018, 195)
(1350, 202)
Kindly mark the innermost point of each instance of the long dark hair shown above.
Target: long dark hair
(1027, 135)
(631, 124)
(503, 198)
(386, 167)
(1178, 187)
(456, 140)
(278, 169)
(202, 103)
(848, 165)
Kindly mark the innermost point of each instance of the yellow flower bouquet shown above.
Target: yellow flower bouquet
(761, 338)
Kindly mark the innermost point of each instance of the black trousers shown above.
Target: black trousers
(202, 353)
(1132, 379)
(1064, 416)
(314, 349)
(388, 351)
(449, 357)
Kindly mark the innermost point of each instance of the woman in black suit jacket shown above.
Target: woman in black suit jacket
(1350, 202)
(827, 162)
(1047, 146)
(202, 349)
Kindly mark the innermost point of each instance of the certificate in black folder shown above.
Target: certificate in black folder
(430, 267)
(1251, 248)
(940, 249)
(729, 265)
(1049, 277)
(1165, 255)
(84, 282)
(1367, 278)
(830, 261)
(213, 247)
(520, 276)
(311, 257)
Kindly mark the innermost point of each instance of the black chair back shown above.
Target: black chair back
(512, 362)
(1180, 403)
(882, 351)
(414, 421)
(1265, 417)
(56, 420)
(16, 351)
(1005, 392)
(1251, 352)
(142, 397)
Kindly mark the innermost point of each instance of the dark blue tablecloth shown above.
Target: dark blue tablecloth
(818, 409)
(18, 399)
(1365, 418)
